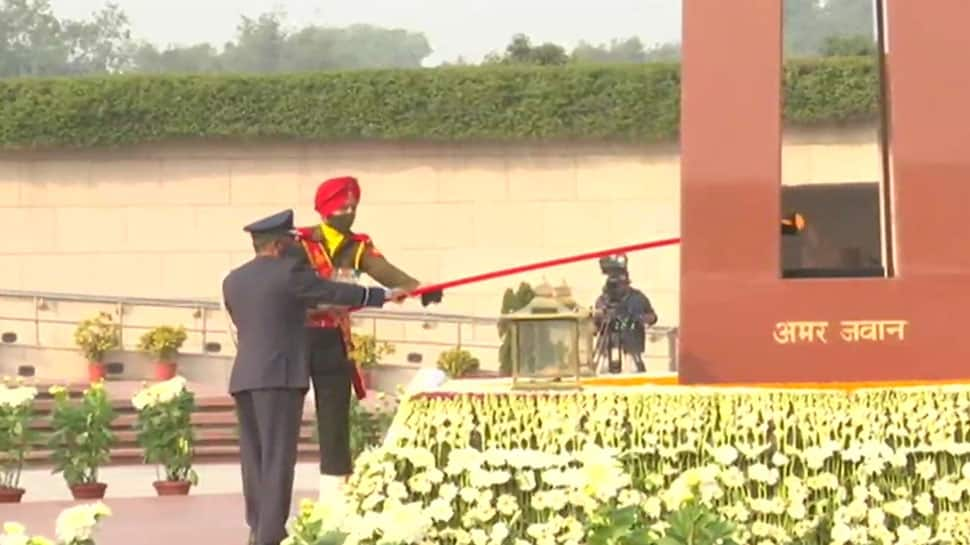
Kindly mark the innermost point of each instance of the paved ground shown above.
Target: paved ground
(211, 515)
(136, 481)
(191, 520)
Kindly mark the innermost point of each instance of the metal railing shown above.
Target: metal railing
(203, 310)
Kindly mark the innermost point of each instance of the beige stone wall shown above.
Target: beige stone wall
(165, 221)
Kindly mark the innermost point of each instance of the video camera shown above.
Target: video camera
(617, 276)
(613, 265)
(614, 323)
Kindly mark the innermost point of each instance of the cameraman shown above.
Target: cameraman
(622, 313)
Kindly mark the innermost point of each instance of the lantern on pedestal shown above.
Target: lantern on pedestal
(551, 341)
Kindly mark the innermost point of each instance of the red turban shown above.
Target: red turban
(336, 193)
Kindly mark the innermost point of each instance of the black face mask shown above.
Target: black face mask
(342, 222)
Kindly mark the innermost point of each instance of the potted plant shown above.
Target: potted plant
(81, 439)
(458, 363)
(96, 337)
(165, 432)
(16, 412)
(369, 424)
(163, 343)
(368, 352)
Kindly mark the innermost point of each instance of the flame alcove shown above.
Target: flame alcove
(735, 306)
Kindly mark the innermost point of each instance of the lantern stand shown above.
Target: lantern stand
(551, 341)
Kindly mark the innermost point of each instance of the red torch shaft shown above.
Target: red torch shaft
(543, 265)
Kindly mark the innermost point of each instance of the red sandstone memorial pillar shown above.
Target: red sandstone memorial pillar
(737, 314)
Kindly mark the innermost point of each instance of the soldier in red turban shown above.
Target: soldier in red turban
(338, 253)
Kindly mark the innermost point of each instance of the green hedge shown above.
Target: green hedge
(628, 103)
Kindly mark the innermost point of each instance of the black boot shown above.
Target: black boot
(641, 367)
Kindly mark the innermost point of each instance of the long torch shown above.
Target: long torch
(541, 265)
(789, 225)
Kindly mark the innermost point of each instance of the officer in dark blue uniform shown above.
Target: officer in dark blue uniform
(267, 299)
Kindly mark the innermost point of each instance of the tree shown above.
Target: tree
(31, 39)
(33, 42)
(194, 59)
(265, 45)
(521, 51)
(630, 50)
(847, 18)
(459, 61)
(810, 24)
(310, 49)
(802, 26)
(669, 52)
(259, 45)
(356, 47)
(848, 46)
(102, 45)
(618, 51)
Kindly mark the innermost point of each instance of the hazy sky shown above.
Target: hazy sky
(470, 28)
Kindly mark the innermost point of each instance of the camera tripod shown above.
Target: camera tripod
(609, 346)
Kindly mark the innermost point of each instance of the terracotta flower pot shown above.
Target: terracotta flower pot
(11, 495)
(172, 488)
(96, 371)
(88, 491)
(164, 370)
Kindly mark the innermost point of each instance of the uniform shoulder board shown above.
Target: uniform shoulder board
(366, 244)
(309, 233)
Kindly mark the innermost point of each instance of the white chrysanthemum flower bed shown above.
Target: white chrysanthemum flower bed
(75, 526)
(875, 466)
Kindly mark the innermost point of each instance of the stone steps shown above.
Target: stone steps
(214, 421)
(204, 417)
(217, 435)
(308, 451)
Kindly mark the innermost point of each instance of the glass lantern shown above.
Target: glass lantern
(551, 341)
